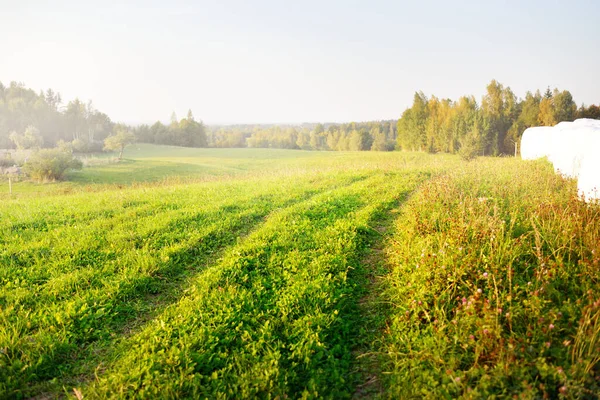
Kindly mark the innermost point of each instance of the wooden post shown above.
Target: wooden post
(9, 185)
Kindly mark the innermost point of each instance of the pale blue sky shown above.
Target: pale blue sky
(302, 61)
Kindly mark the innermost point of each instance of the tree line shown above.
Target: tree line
(186, 132)
(41, 120)
(492, 126)
(44, 120)
(373, 135)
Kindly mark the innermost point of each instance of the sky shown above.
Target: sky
(262, 61)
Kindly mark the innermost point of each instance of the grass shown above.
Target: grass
(147, 164)
(237, 273)
(494, 274)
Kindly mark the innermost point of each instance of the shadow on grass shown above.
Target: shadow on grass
(141, 299)
(127, 172)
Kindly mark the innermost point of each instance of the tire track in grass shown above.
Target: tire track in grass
(372, 311)
(210, 283)
(274, 317)
(120, 305)
(35, 240)
(166, 287)
(169, 283)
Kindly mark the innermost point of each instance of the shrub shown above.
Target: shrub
(80, 146)
(85, 146)
(6, 161)
(49, 165)
(95, 146)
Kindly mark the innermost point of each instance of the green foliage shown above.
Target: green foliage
(360, 141)
(303, 140)
(564, 107)
(470, 145)
(119, 140)
(381, 142)
(84, 123)
(190, 133)
(411, 126)
(21, 107)
(277, 137)
(499, 110)
(430, 124)
(233, 138)
(30, 139)
(592, 112)
(342, 137)
(547, 117)
(435, 125)
(187, 133)
(6, 160)
(49, 165)
(85, 146)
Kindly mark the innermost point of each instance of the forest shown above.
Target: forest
(43, 120)
(491, 126)
(494, 126)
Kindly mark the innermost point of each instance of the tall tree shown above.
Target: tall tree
(76, 115)
(303, 140)
(546, 115)
(498, 107)
(565, 108)
(411, 126)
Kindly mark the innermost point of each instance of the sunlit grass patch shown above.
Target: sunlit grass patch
(226, 276)
(495, 277)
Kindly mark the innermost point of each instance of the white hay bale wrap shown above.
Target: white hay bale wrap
(573, 148)
(588, 181)
(536, 142)
(573, 144)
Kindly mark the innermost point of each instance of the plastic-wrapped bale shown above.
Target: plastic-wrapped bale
(564, 124)
(587, 122)
(574, 150)
(537, 142)
(588, 184)
(556, 146)
(572, 143)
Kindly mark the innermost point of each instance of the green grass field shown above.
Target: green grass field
(244, 273)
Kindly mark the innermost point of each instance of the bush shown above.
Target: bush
(79, 146)
(6, 161)
(85, 146)
(49, 165)
(95, 146)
